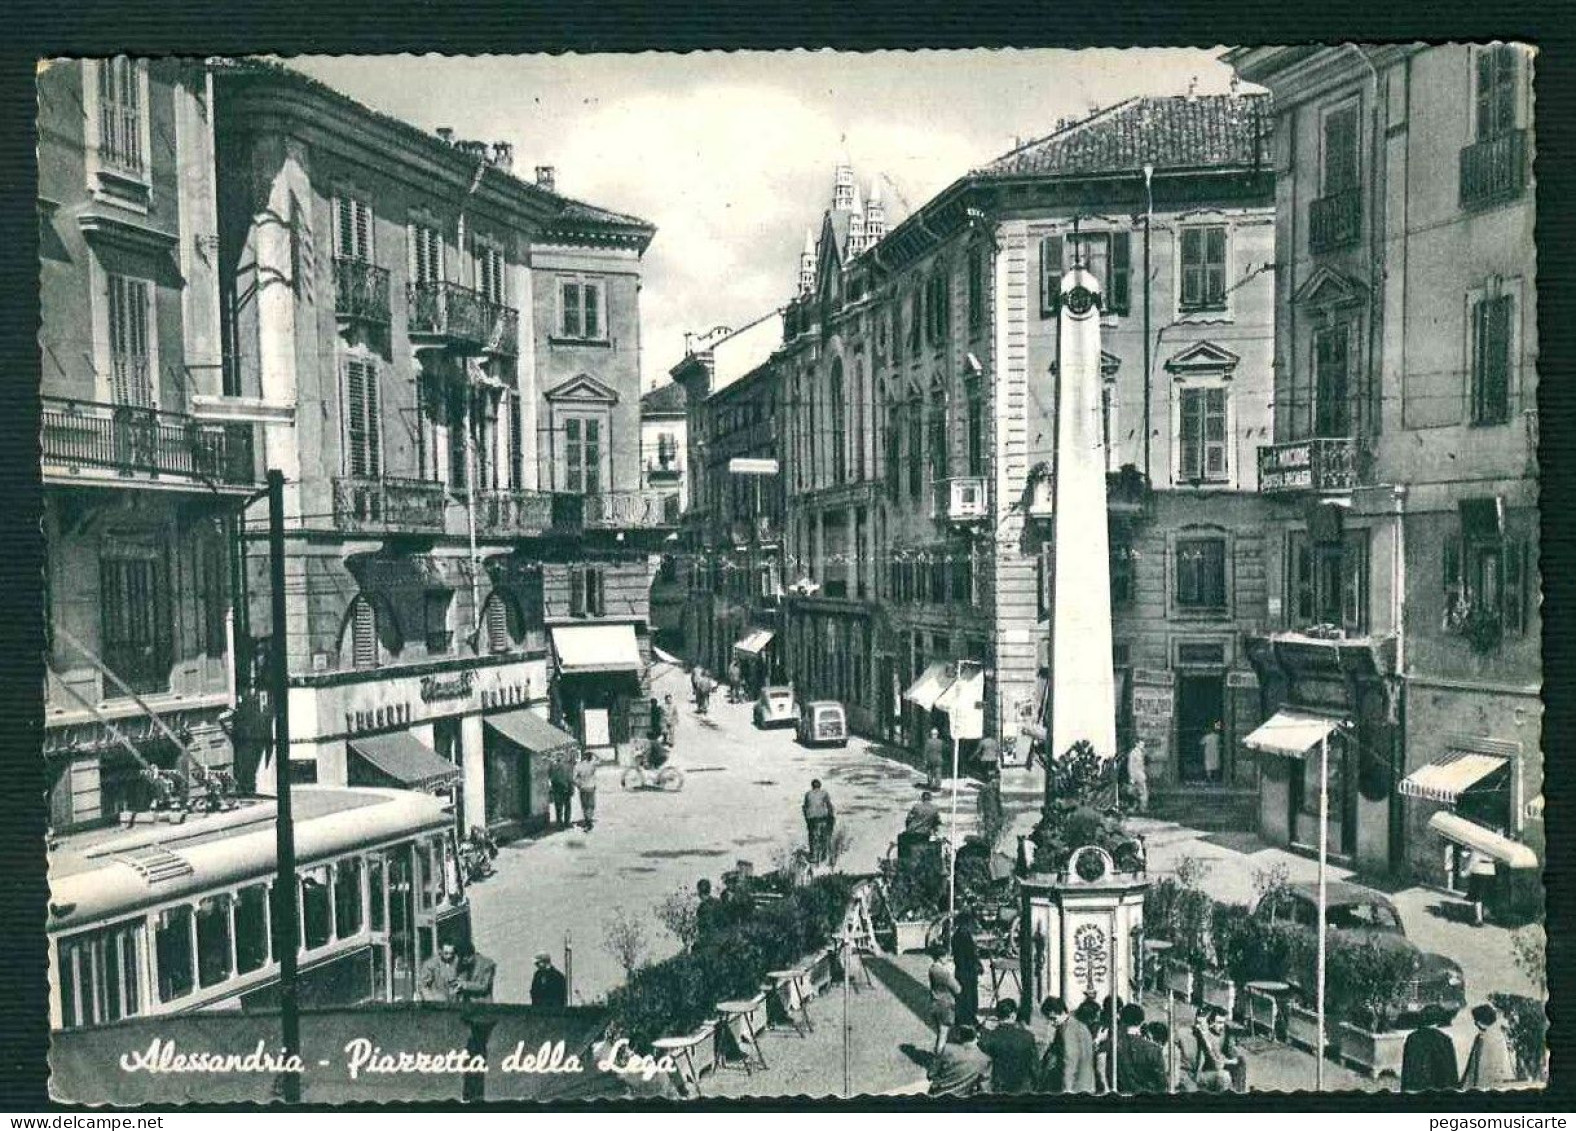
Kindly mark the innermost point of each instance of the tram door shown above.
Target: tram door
(403, 962)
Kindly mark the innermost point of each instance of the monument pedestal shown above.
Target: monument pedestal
(1085, 930)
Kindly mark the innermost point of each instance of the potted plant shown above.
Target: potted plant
(1367, 981)
(916, 896)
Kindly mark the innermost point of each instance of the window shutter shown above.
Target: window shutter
(497, 624)
(595, 597)
(1215, 266)
(1214, 434)
(1450, 558)
(593, 457)
(592, 301)
(569, 300)
(1515, 587)
(577, 591)
(1192, 432)
(363, 230)
(1121, 272)
(1050, 274)
(364, 634)
(1192, 267)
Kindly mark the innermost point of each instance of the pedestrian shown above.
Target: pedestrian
(1140, 1063)
(735, 682)
(1488, 1064)
(1138, 775)
(1074, 1059)
(944, 990)
(549, 987)
(966, 958)
(703, 693)
(669, 721)
(1209, 1063)
(923, 818)
(696, 673)
(560, 788)
(708, 909)
(1014, 1053)
(935, 754)
(818, 818)
(1054, 1010)
(961, 1069)
(474, 975)
(585, 785)
(1428, 1059)
(439, 975)
(1209, 746)
(1480, 875)
(989, 759)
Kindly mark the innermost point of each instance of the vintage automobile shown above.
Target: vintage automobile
(775, 707)
(1350, 908)
(823, 723)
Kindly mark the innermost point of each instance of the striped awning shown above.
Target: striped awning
(1447, 778)
(1469, 834)
(755, 643)
(1291, 734)
(925, 690)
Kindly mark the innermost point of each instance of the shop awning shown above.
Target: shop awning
(964, 703)
(1447, 778)
(1469, 834)
(403, 758)
(1291, 734)
(925, 690)
(596, 648)
(755, 643)
(525, 728)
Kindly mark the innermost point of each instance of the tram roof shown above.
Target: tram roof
(102, 873)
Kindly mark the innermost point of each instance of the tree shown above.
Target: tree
(624, 937)
(677, 913)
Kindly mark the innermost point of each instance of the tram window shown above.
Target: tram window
(213, 940)
(99, 976)
(440, 868)
(172, 944)
(375, 882)
(347, 897)
(427, 882)
(317, 914)
(251, 928)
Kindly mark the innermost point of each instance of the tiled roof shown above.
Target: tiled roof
(1172, 133)
(667, 398)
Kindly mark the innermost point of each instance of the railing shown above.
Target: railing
(1335, 221)
(462, 317)
(635, 509)
(961, 499)
(1330, 463)
(1494, 170)
(361, 291)
(133, 440)
(392, 506)
(514, 512)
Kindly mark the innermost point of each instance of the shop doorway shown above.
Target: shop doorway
(1201, 705)
(446, 741)
(1303, 799)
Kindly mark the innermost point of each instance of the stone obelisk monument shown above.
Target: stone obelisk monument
(1082, 700)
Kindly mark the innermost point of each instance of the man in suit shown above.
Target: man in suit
(1428, 1059)
(1140, 1063)
(474, 975)
(439, 975)
(1014, 1053)
(548, 987)
(1072, 1050)
(966, 960)
(961, 1069)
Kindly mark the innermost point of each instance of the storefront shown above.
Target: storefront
(598, 687)
(519, 748)
(754, 653)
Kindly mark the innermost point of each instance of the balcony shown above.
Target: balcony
(459, 318)
(1335, 221)
(637, 510)
(389, 506)
(663, 471)
(517, 513)
(961, 499)
(84, 440)
(361, 292)
(1494, 170)
(1330, 464)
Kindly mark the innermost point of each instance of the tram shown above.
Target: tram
(175, 916)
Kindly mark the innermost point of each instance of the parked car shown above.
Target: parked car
(1356, 910)
(823, 723)
(775, 707)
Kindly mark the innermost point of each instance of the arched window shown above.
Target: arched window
(916, 445)
(938, 444)
(859, 437)
(370, 634)
(503, 626)
(839, 431)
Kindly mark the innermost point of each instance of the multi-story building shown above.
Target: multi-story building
(731, 562)
(1404, 620)
(916, 371)
(663, 444)
(148, 454)
(467, 543)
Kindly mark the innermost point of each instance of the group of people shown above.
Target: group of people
(1428, 1059)
(456, 973)
(567, 777)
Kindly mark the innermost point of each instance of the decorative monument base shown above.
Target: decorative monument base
(1085, 929)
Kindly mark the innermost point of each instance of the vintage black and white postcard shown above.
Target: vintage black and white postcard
(755, 574)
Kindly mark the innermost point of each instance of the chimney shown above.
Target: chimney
(447, 134)
(547, 178)
(503, 156)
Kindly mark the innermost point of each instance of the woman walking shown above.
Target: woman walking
(944, 991)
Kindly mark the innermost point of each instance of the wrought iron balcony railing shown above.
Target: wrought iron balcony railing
(361, 291)
(462, 318)
(630, 509)
(1328, 463)
(1335, 221)
(389, 506)
(514, 512)
(144, 441)
(1494, 170)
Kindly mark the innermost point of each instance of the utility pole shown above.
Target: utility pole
(1149, 218)
(287, 934)
(1324, 852)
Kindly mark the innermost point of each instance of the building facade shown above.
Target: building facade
(1402, 563)
(147, 441)
(919, 431)
(456, 353)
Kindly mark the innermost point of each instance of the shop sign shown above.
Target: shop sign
(457, 686)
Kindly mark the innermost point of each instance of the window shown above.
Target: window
(916, 317)
(580, 308)
(1201, 573)
(667, 450)
(1328, 581)
(120, 115)
(916, 443)
(583, 455)
(317, 912)
(363, 421)
(353, 229)
(894, 449)
(1108, 257)
(1050, 275)
(213, 592)
(363, 633)
(436, 606)
(939, 439)
(938, 302)
(100, 975)
(172, 945)
(251, 928)
(839, 426)
(587, 591)
(516, 441)
(490, 273)
(1204, 268)
(1332, 384)
(1486, 582)
(976, 427)
(1202, 443)
(134, 621)
(1496, 90)
(1491, 359)
(426, 254)
(1340, 150)
(131, 371)
(963, 578)
(347, 897)
(377, 893)
(976, 289)
(213, 940)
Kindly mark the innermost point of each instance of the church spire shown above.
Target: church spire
(875, 214)
(858, 238)
(807, 264)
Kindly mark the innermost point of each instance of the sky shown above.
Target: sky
(730, 154)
